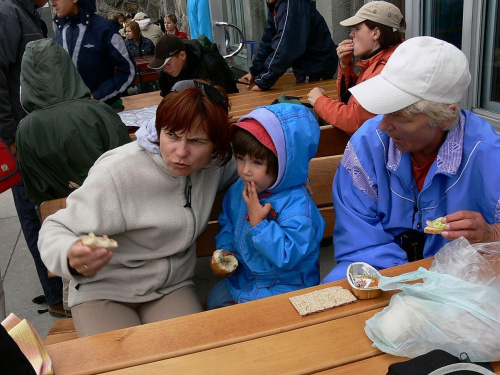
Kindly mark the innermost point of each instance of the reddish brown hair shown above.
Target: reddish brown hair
(184, 111)
(134, 27)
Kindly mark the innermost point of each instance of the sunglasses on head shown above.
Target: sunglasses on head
(209, 91)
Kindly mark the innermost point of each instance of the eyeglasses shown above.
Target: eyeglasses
(209, 91)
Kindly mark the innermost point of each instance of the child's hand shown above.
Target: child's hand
(256, 212)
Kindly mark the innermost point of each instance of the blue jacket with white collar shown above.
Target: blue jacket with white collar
(375, 197)
(97, 50)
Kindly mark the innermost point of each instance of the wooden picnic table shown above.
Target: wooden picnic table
(246, 100)
(141, 107)
(265, 336)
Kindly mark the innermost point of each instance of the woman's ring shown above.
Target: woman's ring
(86, 267)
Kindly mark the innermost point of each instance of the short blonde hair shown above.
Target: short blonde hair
(172, 17)
(437, 113)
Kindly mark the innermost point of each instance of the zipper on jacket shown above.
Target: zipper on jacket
(187, 192)
(415, 208)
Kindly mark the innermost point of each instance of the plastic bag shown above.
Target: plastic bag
(444, 311)
(478, 263)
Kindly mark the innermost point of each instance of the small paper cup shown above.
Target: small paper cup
(362, 269)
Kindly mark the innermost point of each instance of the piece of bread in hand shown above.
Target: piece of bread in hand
(223, 262)
(96, 242)
(435, 226)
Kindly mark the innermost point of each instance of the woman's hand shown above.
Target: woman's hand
(471, 225)
(87, 261)
(314, 94)
(256, 212)
(344, 51)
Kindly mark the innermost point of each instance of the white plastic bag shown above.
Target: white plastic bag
(444, 312)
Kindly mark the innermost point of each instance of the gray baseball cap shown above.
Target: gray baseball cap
(377, 11)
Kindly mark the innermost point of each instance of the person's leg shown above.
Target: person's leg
(180, 302)
(95, 317)
(219, 296)
(30, 224)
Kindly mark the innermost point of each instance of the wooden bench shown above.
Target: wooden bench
(321, 172)
(144, 74)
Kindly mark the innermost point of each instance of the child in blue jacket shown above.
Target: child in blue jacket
(269, 220)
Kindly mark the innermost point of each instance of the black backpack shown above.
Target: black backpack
(440, 362)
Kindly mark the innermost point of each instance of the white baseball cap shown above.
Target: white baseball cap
(420, 68)
(140, 16)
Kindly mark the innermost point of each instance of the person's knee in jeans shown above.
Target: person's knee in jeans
(219, 296)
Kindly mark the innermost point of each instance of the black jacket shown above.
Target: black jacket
(296, 36)
(20, 25)
(204, 63)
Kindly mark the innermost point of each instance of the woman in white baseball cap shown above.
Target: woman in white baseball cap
(424, 159)
(376, 33)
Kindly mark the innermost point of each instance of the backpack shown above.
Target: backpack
(296, 100)
(9, 173)
(440, 362)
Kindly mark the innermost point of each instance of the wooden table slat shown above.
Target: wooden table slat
(246, 100)
(308, 350)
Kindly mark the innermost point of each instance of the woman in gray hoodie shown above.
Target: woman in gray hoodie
(154, 198)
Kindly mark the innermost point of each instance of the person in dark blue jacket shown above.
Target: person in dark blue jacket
(424, 159)
(95, 47)
(269, 220)
(297, 36)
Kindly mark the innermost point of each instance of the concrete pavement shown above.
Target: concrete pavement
(20, 280)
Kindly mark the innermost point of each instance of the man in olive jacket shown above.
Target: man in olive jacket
(65, 131)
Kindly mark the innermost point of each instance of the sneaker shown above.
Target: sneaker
(58, 311)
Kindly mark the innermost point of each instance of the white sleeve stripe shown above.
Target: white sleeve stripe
(117, 42)
(279, 43)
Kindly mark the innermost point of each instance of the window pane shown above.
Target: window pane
(490, 93)
(443, 19)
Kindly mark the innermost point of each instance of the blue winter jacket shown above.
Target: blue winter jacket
(297, 36)
(277, 255)
(98, 51)
(375, 197)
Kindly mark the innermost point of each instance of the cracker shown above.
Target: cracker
(322, 300)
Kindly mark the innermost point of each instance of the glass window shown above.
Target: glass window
(490, 87)
(443, 19)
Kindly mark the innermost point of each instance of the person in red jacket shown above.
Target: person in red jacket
(375, 35)
(171, 26)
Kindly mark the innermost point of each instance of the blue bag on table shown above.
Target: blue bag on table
(444, 311)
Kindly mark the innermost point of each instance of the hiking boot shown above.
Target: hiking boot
(58, 311)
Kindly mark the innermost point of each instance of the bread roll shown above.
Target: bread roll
(95, 242)
(223, 262)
